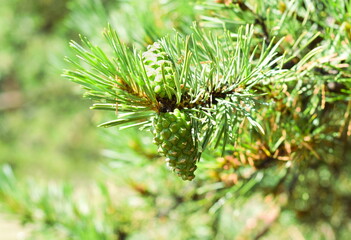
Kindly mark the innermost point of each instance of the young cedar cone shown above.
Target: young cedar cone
(173, 136)
(154, 60)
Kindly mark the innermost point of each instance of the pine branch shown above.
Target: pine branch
(213, 77)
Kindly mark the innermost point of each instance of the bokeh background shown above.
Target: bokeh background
(63, 178)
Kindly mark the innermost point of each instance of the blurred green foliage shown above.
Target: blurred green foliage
(65, 179)
(42, 128)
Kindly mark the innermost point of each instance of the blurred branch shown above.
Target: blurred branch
(11, 100)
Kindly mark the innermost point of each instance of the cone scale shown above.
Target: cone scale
(171, 127)
(173, 136)
(155, 59)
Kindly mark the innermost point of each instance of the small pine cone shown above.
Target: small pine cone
(154, 58)
(173, 136)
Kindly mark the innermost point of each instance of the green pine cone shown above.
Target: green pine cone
(154, 59)
(173, 136)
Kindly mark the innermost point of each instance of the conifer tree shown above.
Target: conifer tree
(246, 102)
(265, 85)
